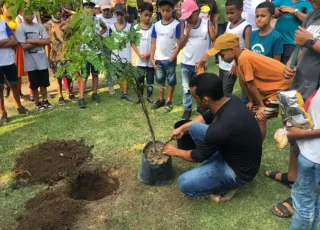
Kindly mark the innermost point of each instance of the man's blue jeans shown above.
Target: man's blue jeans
(187, 72)
(306, 196)
(215, 176)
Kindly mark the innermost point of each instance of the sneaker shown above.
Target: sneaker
(4, 118)
(23, 97)
(61, 101)
(186, 115)
(6, 92)
(23, 110)
(40, 107)
(46, 104)
(96, 97)
(72, 98)
(126, 97)
(158, 104)
(169, 106)
(149, 99)
(31, 99)
(111, 91)
(82, 103)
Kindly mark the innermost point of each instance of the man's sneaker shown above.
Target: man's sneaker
(23, 110)
(96, 97)
(169, 106)
(158, 104)
(6, 92)
(4, 118)
(111, 91)
(82, 103)
(186, 115)
(126, 97)
(61, 101)
(40, 107)
(31, 99)
(149, 99)
(46, 104)
(72, 98)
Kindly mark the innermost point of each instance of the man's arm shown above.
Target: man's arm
(179, 132)
(173, 151)
(299, 15)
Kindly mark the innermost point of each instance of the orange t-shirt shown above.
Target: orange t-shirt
(266, 72)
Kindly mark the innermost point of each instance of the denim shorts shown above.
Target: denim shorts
(166, 71)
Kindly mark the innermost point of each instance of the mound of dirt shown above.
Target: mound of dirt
(156, 157)
(93, 186)
(51, 210)
(50, 161)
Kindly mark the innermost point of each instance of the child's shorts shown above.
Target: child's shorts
(166, 71)
(38, 78)
(55, 66)
(9, 73)
(90, 69)
(271, 108)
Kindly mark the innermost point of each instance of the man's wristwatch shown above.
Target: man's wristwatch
(295, 12)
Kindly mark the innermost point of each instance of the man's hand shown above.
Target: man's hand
(289, 73)
(176, 134)
(249, 105)
(233, 71)
(287, 9)
(301, 36)
(153, 62)
(204, 60)
(260, 115)
(170, 150)
(294, 133)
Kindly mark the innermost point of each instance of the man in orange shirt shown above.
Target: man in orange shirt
(260, 77)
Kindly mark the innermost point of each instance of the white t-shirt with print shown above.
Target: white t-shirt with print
(125, 53)
(145, 45)
(7, 54)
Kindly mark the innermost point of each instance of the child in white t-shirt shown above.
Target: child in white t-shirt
(164, 50)
(143, 50)
(125, 53)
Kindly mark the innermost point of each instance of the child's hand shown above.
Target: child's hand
(232, 72)
(294, 133)
(189, 28)
(249, 105)
(260, 115)
(289, 73)
(153, 62)
(301, 36)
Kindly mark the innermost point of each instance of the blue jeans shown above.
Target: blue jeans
(166, 71)
(306, 196)
(215, 176)
(187, 73)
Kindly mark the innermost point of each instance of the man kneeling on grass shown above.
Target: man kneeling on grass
(227, 136)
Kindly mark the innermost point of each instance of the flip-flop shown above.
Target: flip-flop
(286, 212)
(284, 178)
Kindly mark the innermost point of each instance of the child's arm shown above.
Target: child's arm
(11, 42)
(247, 34)
(277, 57)
(212, 34)
(135, 48)
(152, 51)
(256, 97)
(38, 42)
(177, 49)
(184, 37)
(299, 134)
(104, 28)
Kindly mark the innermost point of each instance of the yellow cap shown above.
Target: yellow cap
(224, 42)
(205, 9)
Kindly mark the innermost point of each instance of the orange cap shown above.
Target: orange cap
(224, 42)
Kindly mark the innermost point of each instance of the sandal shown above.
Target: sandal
(284, 178)
(285, 211)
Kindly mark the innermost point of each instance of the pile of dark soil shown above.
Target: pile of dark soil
(51, 210)
(51, 161)
(155, 157)
(93, 186)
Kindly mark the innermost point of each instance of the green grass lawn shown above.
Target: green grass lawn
(118, 131)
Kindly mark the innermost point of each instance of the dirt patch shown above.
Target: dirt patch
(156, 157)
(93, 186)
(50, 161)
(51, 210)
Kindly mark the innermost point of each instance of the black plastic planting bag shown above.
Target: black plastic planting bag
(186, 142)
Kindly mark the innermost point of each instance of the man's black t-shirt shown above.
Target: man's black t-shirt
(235, 134)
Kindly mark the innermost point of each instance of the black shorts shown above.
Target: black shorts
(38, 78)
(10, 73)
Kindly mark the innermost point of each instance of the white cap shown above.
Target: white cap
(105, 4)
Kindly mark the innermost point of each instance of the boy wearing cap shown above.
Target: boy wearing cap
(89, 8)
(198, 33)
(164, 51)
(260, 77)
(125, 53)
(109, 19)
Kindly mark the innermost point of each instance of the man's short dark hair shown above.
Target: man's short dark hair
(237, 3)
(267, 5)
(207, 85)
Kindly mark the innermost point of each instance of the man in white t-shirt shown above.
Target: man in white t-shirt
(249, 11)
(109, 19)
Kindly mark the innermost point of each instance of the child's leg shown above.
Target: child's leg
(141, 79)
(124, 87)
(2, 109)
(150, 81)
(66, 84)
(95, 83)
(82, 83)
(172, 79)
(305, 195)
(161, 79)
(44, 83)
(11, 74)
(186, 73)
(59, 87)
(44, 93)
